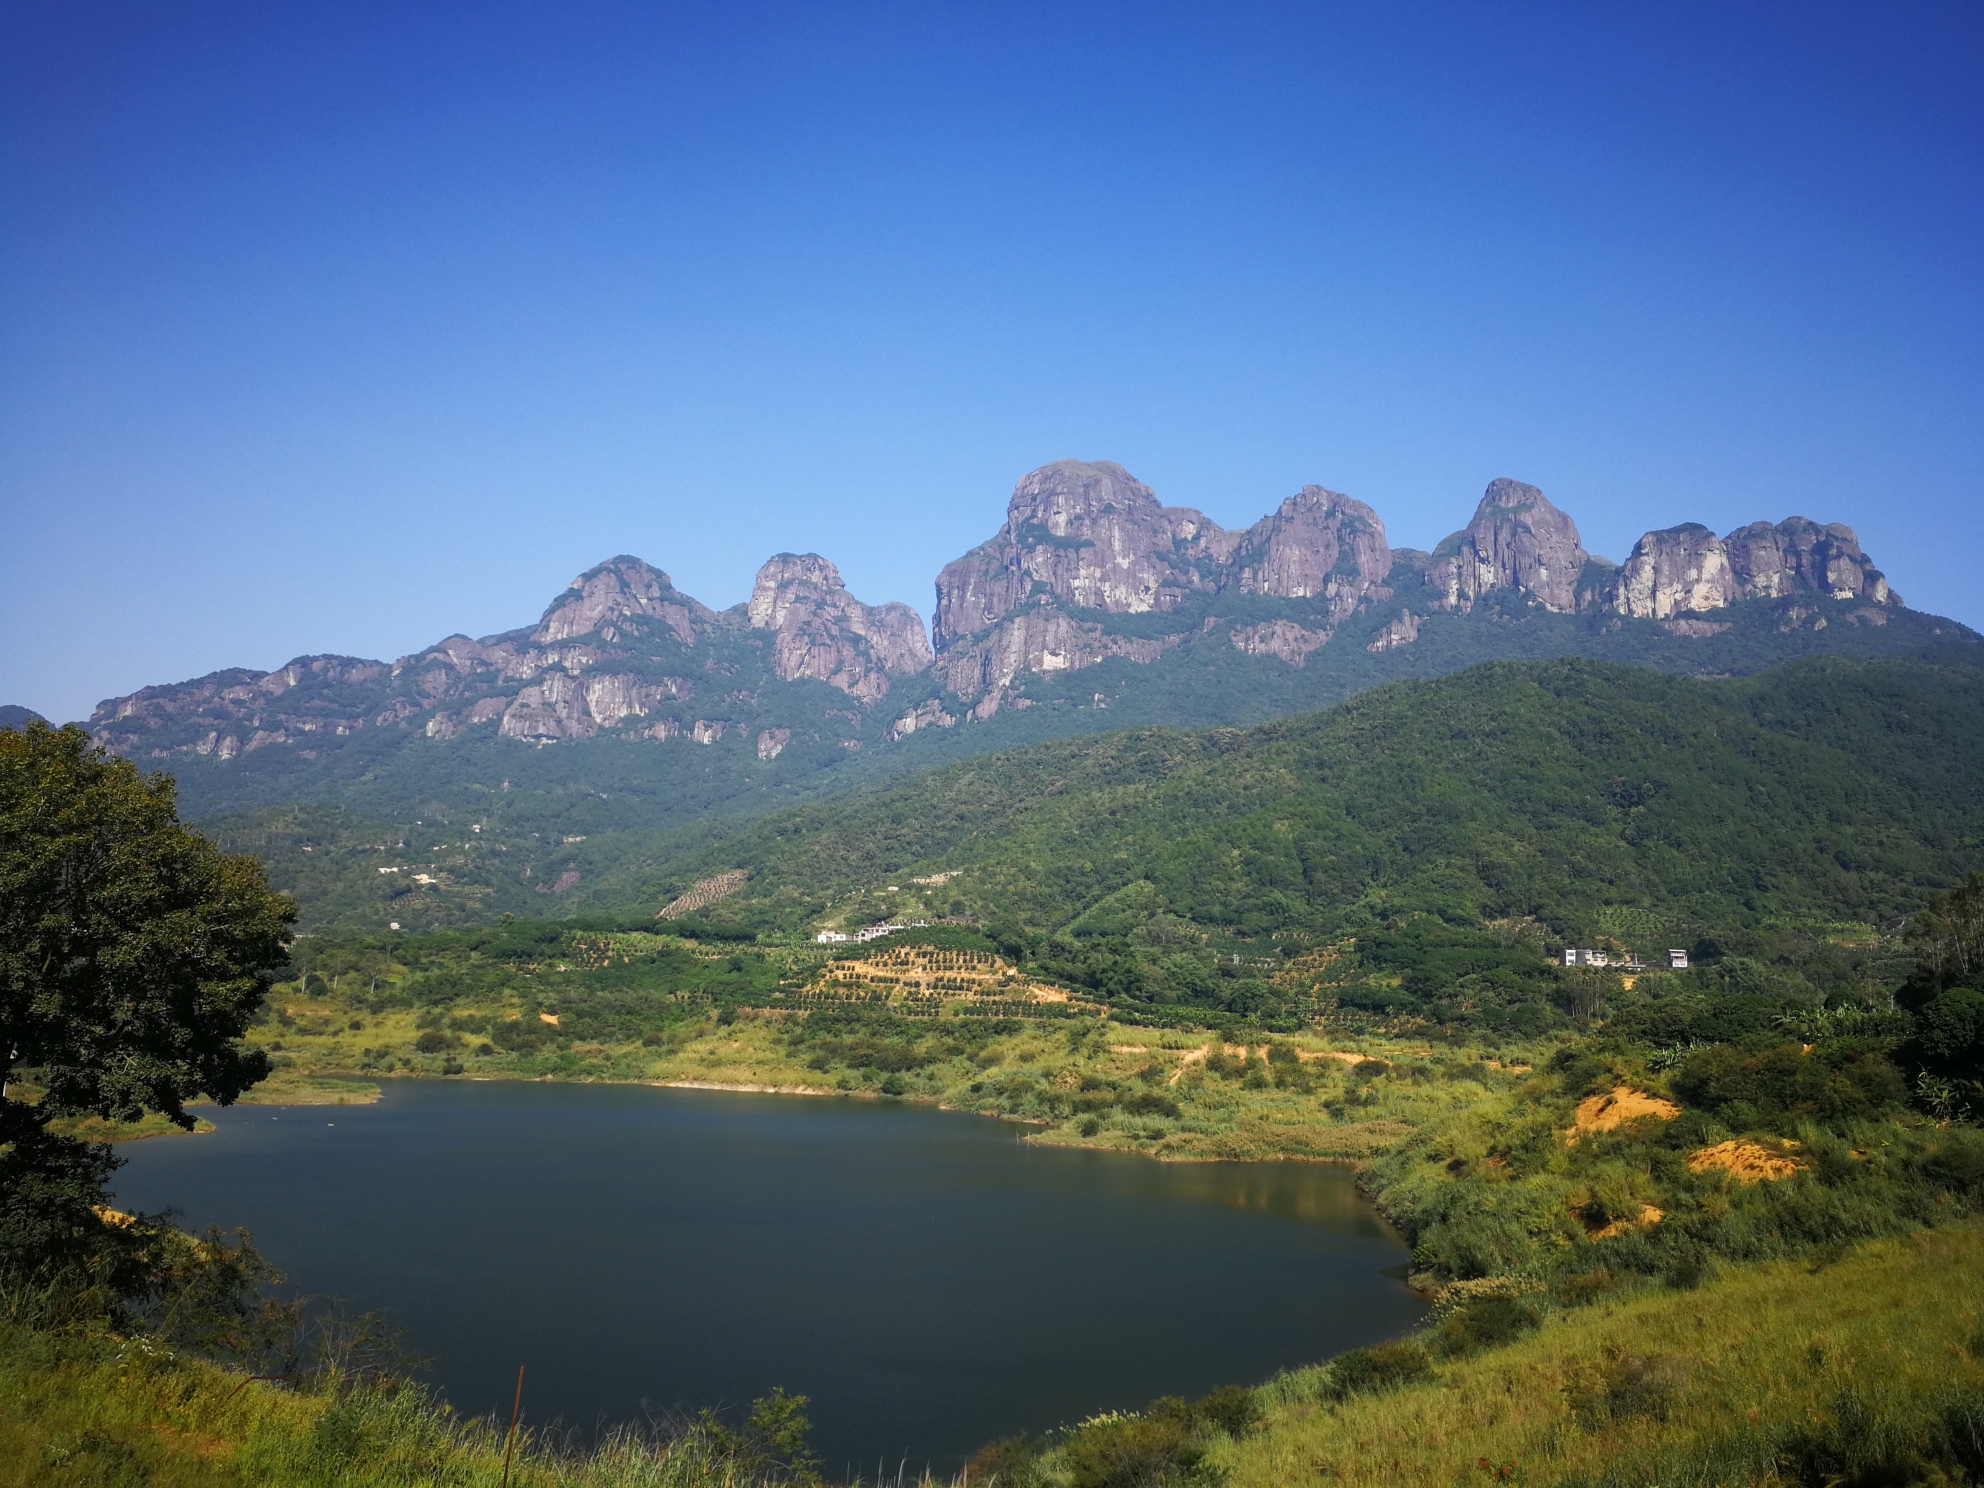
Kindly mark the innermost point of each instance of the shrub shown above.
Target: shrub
(1150, 1103)
(1486, 1322)
(1011, 1463)
(1135, 1451)
(433, 1041)
(1383, 1366)
(1230, 1408)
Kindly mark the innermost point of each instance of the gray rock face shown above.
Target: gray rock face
(1682, 570)
(602, 600)
(1088, 536)
(1401, 632)
(1092, 537)
(1517, 540)
(1318, 545)
(825, 633)
(1798, 554)
(1688, 569)
(622, 651)
(1282, 639)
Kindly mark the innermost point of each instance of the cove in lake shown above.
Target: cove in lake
(930, 1281)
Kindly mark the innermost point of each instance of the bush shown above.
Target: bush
(1011, 1463)
(1135, 1451)
(1486, 1322)
(1383, 1366)
(433, 1041)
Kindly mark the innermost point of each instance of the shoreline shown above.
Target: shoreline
(1356, 1164)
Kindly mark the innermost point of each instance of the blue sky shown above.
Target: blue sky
(340, 328)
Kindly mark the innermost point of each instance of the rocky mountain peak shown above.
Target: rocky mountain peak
(824, 633)
(602, 598)
(1088, 535)
(1799, 553)
(1517, 540)
(784, 576)
(1318, 544)
(1067, 495)
(1689, 569)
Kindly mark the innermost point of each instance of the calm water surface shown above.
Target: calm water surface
(929, 1281)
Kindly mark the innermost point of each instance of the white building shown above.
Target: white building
(829, 937)
(1677, 959)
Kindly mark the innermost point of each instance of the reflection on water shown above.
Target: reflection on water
(1287, 1190)
(929, 1280)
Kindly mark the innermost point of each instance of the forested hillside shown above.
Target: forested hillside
(1581, 794)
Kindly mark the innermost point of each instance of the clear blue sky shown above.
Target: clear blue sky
(343, 327)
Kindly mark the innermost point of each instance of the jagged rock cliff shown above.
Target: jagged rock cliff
(1517, 540)
(1688, 569)
(620, 651)
(823, 632)
(1084, 540)
(1089, 567)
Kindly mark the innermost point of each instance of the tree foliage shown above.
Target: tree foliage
(133, 955)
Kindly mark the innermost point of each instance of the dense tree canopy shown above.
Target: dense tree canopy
(133, 955)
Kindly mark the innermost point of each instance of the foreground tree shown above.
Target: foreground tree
(133, 956)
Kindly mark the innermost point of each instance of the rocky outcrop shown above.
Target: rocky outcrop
(1798, 554)
(1086, 536)
(1283, 639)
(1089, 566)
(1517, 540)
(1037, 640)
(621, 596)
(1401, 632)
(1088, 539)
(1689, 570)
(824, 633)
(1679, 570)
(1318, 545)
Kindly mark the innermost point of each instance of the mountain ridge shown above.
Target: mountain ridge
(630, 707)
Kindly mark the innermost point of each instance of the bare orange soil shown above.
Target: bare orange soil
(1603, 1113)
(1752, 1162)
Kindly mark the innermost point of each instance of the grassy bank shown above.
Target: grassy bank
(88, 1408)
(1866, 1368)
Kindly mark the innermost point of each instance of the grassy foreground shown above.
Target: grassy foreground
(1868, 1370)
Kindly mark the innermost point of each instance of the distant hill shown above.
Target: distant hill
(1584, 794)
(1579, 793)
(631, 708)
(13, 715)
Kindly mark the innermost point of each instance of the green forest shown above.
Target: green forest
(1585, 796)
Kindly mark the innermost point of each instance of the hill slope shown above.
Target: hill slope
(1825, 790)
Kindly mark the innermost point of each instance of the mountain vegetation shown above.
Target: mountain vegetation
(1629, 1192)
(630, 708)
(1589, 799)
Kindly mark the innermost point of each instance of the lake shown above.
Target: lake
(929, 1280)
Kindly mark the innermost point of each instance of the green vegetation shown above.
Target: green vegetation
(132, 956)
(89, 1405)
(1712, 1225)
(586, 825)
(1866, 1369)
(1822, 792)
